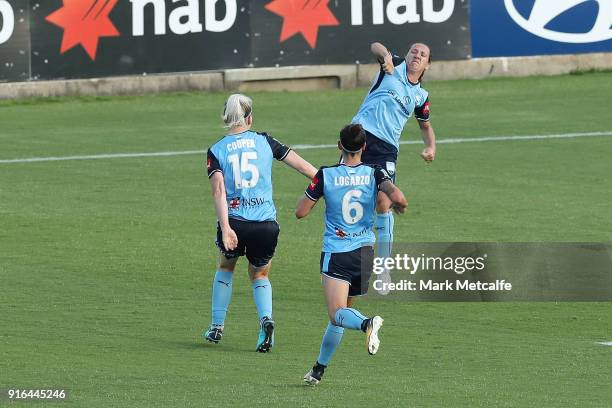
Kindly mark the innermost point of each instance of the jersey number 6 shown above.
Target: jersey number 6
(352, 211)
(241, 166)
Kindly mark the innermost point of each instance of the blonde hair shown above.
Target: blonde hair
(237, 109)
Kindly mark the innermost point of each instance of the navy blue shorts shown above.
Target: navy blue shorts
(256, 239)
(353, 267)
(380, 153)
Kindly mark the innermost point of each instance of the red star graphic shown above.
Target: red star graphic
(84, 22)
(303, 16)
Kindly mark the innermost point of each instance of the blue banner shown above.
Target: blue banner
(540, 27)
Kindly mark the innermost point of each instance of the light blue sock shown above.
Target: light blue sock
(384, 233)
(262, 293)
(331, 341)
(221, 296)
(349, 318)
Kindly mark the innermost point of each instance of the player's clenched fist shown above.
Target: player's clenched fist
(428, 154)
(387, 64)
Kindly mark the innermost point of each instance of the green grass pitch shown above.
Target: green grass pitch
(106, 265)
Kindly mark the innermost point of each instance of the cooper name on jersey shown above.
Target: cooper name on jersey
(352, 180)
(241, 144)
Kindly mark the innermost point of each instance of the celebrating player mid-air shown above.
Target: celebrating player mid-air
(395, 95)
(350, 189)
(240, 172)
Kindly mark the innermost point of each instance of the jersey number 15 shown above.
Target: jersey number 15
(240, 166)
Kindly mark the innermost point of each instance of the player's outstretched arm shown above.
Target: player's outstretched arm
(383, 56)
(296, 162)
(396, 196)
(230, 240)
(304, 206)
(312, 194)
(429, 138)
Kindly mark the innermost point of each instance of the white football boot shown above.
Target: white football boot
(372, 340)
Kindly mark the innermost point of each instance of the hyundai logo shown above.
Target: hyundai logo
(544, 11)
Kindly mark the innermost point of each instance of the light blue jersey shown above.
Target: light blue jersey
(390, 103)
(245, 159)
(350, 204)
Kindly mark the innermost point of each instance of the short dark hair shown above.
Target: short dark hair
(352, 138)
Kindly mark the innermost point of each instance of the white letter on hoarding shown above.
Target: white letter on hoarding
(217, 26)
(159, 10)
(432, 16)
(192, 11)
(8, 21)
(408, 16)
(378, 12)
(356, 12)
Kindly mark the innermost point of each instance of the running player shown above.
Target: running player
(350, 189)
(396, 95)
(240, 173)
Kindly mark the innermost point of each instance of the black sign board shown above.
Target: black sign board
(97, 38)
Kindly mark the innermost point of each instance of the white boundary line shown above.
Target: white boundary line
(308, 147)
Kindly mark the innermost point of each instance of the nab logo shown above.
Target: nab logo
(7, 17)
(545, 11)
(86, 21)
(305, 17)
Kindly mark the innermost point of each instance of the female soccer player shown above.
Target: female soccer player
(240, 173)
(395, 96)
(350, 189)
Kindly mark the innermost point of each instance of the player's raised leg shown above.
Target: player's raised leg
(221, 297)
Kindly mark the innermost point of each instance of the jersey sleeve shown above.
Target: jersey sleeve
(315, 189)
(212, 164)
(279, 150)
(422, 112)
(380, 175)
